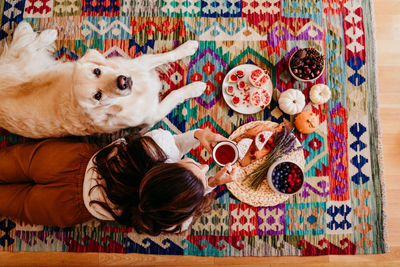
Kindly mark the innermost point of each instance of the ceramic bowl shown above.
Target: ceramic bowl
(300, 79)
(270, 177)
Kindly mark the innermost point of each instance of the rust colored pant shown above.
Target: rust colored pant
(41, 183)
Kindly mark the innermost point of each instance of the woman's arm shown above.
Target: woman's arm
(186, 141)
(208, 138)
(176, 146)
(191, 139)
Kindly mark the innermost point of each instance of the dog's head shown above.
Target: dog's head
(99, 83)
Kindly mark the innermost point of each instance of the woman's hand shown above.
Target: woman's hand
(226, 175)
(207, 138)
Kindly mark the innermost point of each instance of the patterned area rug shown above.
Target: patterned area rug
(340, 208)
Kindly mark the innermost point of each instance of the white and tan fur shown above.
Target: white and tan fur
(40, 97)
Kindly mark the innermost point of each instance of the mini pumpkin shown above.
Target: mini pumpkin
(306, 122)
(320, 93)
(292, 101)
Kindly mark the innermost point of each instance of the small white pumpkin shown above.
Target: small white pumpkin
(320, 93)
(292, 101)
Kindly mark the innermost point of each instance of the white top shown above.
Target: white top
(174, 146)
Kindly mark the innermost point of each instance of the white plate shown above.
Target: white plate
(247, 108)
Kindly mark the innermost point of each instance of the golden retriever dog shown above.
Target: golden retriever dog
(40, 97)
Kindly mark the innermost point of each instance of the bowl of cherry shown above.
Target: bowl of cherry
(306, 64)
(285, 177)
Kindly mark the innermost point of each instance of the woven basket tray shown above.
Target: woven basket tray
(263, 196)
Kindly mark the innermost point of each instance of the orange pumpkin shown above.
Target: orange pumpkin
(306, 122)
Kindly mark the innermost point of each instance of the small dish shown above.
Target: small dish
(225, 152)
(285, 177)
(301, 79)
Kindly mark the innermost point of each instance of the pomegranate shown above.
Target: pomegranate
(255, 98)
(259, 78)
(265, 98)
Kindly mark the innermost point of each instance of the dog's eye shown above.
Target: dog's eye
(97, 72)
(98, 95)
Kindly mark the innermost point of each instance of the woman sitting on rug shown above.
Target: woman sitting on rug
(138, 181)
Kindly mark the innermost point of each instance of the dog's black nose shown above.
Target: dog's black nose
(124, 82)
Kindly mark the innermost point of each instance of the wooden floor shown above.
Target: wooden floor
(388, 38)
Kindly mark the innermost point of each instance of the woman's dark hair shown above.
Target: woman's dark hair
(151, 196)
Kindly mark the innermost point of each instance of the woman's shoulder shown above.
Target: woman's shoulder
(166, 141)
(158, 132)
(161, 136)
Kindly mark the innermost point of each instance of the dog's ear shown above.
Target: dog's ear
(93, 56)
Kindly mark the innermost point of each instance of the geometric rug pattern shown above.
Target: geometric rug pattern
(340, 210)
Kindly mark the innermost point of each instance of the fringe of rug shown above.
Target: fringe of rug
(379, 130)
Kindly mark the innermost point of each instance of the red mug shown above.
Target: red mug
(225, 152)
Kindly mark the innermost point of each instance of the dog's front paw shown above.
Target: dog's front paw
(197, 89)
(50, 34)
(23, 28)
(188, 48)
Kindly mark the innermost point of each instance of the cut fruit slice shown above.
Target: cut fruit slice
(259, 78)
(236, 100)
(262, 139)
(241, 85)
(243, 146)
(230, 90)
(263, 80)
(255, 98)
(233, 78)
(240, 73)
(265, 98)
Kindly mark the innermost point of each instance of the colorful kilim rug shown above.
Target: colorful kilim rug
(340, 208)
